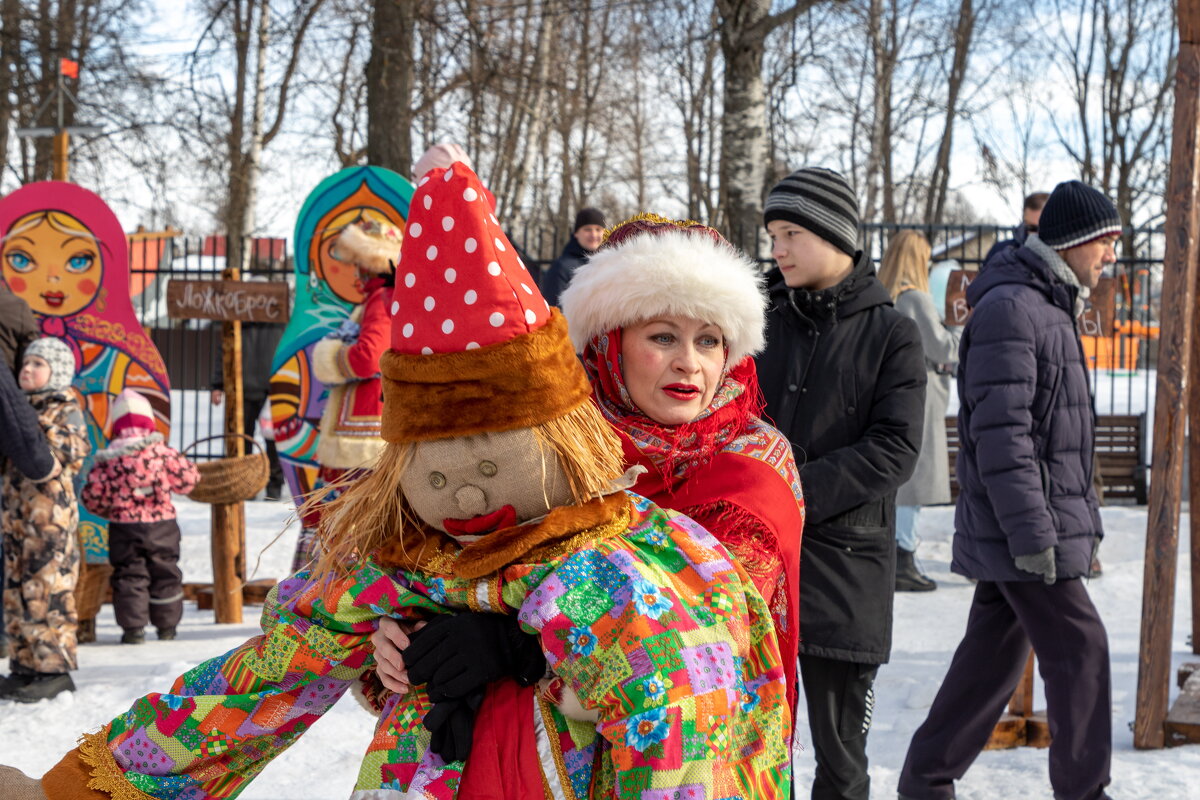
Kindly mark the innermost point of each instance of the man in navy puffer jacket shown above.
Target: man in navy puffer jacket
(1027, 521)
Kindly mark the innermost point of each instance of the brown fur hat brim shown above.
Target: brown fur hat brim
(519, 383)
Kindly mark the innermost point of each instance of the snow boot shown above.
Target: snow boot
(166, 634)
(133, 636)
(44, 686)
(13, 682)
(908, 577)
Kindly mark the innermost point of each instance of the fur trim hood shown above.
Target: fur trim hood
(374, 251)
(128, 445)
(676, 273)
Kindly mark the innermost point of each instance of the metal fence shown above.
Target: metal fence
(1123, 365)
(191, 348)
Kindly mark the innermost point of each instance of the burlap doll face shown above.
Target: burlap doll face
(472, 485)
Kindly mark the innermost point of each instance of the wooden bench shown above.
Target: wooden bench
(1118, 446)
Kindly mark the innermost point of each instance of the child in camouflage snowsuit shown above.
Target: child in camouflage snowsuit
(39, 520)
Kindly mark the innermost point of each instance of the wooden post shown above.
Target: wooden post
(62, 148)
(229, 520)
(1193, 453)
(1021, 703)
(1175, 354)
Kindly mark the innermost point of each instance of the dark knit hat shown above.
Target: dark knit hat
(589, 216)
(1076, 213)
(818, 200)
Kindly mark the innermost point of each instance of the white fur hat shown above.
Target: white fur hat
(661, 268)
(371, 245)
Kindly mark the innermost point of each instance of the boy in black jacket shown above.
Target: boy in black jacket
(843, 375)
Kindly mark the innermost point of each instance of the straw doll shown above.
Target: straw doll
(500, 491)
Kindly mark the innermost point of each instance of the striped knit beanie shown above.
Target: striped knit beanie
(820, 201)
(1076, 214)
(131, 412)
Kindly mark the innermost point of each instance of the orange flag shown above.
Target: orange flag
(68, 68)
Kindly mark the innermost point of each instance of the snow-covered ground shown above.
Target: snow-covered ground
(324, 763)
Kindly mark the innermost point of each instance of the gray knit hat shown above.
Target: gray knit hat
(58, 355)
(818, 200)
(1075, 214)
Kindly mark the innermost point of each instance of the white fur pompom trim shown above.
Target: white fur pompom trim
(669, 274)
(375, 254)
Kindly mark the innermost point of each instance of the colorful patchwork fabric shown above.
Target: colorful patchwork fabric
(655, 629)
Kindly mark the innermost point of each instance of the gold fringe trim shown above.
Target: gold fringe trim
(107, 775)
(650, 216)
(615, 527)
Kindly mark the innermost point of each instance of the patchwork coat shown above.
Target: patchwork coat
(41, 548)
(640, 612)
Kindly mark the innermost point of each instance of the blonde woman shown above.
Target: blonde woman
(904, 271)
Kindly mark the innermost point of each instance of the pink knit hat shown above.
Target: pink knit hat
(131, 411)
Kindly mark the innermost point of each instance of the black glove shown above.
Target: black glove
(452, 723)
(456, 654)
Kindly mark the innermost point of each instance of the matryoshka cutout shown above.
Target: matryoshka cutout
(64, 253)
(327, 291)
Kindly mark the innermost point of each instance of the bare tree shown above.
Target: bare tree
(1118, 57)
(743, 28)
(231, 122)
(939, 181)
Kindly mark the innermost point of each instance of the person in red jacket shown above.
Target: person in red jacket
(130, 485)
(347, 361)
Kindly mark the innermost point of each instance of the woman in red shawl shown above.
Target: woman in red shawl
(665, 317)
(689, 412)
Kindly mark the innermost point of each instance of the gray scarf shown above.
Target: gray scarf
(1059, 269)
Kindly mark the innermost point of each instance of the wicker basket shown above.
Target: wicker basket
(231, 479)
(89, 590)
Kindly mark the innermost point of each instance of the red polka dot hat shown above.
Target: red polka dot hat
(474, 345)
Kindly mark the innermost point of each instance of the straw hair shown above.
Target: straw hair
(905, 265)
(372, 510)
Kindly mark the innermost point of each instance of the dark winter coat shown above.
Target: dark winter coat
(1025, 424)
(843, 375)
(18, 327)
(1020, 234)
(558, 277)
(22, 441)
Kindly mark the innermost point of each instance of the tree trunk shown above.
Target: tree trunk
(253, 165)
(235, 205)
(744, 122)
(10, 61)
(939, 183)
(389, 85)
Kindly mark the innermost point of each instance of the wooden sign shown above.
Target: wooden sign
(241, 301)
(956, 296)
(1098, 317)
(1099, 314)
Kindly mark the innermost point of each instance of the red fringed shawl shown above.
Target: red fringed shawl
(727, 469)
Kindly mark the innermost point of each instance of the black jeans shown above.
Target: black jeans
(1072, 652)
(840, 701)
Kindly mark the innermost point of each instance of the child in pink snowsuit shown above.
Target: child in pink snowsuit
(130, 485)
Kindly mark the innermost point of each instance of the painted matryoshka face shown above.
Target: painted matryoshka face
(343, 278)
(57, 273)
(473, 485)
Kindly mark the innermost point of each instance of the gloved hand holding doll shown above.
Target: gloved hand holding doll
(501, 493)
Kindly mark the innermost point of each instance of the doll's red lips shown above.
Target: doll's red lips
(503, 517)
(54, 298)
